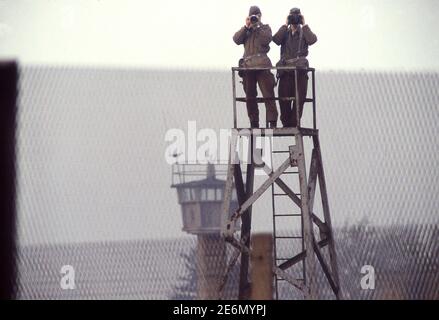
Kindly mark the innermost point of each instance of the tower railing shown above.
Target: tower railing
(276, 98)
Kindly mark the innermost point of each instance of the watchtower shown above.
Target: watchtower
(310, 242)
(201, 195)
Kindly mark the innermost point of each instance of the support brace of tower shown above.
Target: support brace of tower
(312, 254)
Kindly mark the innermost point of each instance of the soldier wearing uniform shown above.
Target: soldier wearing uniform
(256, 37)
(294, 38)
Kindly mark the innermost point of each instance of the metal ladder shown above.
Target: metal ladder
(279, 257)
(280, 216)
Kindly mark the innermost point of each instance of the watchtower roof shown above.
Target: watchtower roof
(207, 182)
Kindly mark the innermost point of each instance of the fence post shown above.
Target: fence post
(8, 93)
(262, 267)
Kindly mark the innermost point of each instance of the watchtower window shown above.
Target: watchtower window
(203, 195)
(188, 194)
(210, 194)
(219, 194)
(195, 194)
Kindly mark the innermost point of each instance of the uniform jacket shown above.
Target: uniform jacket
(256, 41)
(289, 42)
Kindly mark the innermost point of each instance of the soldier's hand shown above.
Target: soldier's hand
(247, 22)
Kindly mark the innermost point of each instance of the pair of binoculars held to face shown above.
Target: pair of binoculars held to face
(294, 19)
(254, 19)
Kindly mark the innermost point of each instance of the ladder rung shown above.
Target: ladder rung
(280, 151)
(288, 215)
(282, 279)
(288, 237)
(284, 194)
(261, 99)
(290, 172)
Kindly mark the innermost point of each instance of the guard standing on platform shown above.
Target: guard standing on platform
(294, 38)
(256, 37)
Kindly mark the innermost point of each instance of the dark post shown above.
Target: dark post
(244, 285)
(8, 93)
(235, 119)
(296, 97)
(262, 267)
(314, 115)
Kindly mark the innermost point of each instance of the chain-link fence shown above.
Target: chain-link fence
(94, 187)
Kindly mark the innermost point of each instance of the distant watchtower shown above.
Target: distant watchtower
(201, 203)
(293, 183)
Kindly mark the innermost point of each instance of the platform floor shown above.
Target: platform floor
(276, 132)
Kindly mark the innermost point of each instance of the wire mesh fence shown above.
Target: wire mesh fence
(94, 190)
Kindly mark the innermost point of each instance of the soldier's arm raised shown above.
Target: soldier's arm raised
(279, 37)
(241, 35)
(264, 34)
(309, 36)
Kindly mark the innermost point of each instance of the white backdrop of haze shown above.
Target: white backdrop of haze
(353, 34)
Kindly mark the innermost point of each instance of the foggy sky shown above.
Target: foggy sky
(353, 34)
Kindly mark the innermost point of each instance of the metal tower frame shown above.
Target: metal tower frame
(247, 196)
